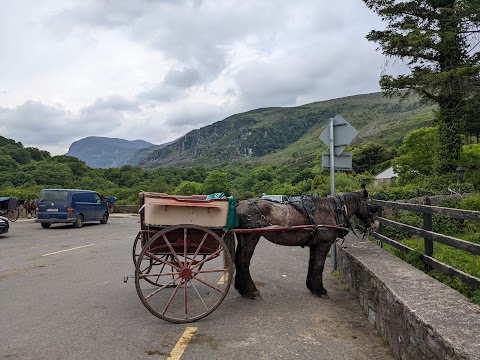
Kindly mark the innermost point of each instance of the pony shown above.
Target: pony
(328, 221)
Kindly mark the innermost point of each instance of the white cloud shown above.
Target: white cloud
(154, 70)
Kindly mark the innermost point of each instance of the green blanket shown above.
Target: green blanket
(232, 219)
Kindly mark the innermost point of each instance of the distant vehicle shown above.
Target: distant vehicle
(71, 206)
(278, 198)
(9, 208)
(4, 225)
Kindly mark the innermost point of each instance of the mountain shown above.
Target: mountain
(273, 135)
(103, 152)
(264, 136)
(142, 154)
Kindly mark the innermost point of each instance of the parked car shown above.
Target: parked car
(278, 198)
(71, 206)
(4, 225)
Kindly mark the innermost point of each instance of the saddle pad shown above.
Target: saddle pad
(305, 204)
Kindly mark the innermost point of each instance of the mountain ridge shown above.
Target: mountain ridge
(264, 135)
(267, 135)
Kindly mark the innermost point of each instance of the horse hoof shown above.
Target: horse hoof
(254, 296)
(324, 296)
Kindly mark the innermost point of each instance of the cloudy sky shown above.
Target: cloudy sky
(156, 69)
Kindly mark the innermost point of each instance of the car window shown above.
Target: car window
(53, 196)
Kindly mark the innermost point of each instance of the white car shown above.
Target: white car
(278, 198)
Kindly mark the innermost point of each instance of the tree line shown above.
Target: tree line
(25, 176)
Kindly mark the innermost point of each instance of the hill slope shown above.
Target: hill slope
(281, 134)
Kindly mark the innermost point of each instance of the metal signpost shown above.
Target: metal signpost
(337, 136)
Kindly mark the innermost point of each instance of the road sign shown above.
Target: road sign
(343, 132)
(337, 136)
(341, 162)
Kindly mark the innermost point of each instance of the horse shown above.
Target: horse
(30, 208)
(328, 221)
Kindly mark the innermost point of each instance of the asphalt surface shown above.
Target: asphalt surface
(73, 304)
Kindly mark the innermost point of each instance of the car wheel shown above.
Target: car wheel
(104, 219)
(79, 222)
(45, 225)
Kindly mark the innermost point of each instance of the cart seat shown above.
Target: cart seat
(159, 209)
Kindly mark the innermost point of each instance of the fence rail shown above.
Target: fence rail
(430, 236)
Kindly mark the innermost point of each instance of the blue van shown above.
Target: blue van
(70, 206)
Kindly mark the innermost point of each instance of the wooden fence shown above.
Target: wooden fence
(429, 236)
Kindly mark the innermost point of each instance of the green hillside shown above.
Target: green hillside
(265, 136)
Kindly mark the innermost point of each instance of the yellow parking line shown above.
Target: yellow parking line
(75, 248)
(182, 343)
(223, 280)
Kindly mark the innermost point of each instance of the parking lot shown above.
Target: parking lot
(62, 296)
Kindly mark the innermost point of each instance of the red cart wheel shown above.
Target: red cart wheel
(183, 273)
(137, 247)
(149, 264)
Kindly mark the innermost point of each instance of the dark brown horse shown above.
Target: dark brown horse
(331, 216)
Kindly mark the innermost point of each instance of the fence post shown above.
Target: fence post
(379, 231)
(427, 225)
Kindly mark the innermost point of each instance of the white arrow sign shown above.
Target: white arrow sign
(343, 132)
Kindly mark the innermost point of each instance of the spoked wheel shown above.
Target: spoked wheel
(13, 215)
(137, 247)
(183, 273)
(152, 265)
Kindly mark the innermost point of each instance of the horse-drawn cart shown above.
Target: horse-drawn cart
(9, 208)
(183, 251)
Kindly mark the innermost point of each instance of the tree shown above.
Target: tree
(473, 117)
(188, 188)
(416, 154)
(216, 181)
(438, 41)
(370, 154)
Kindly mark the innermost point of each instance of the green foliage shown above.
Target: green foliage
(188, 188)
(472, 116)
(476, 297)
(367, 156)
(434, 38)
(286, 130)
(216, 182)
(471, 203)
(418, 149)
(400, 192)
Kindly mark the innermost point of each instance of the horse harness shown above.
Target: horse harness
(306, 205)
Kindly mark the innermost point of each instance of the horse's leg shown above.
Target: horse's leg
(243, 281)
(316, 263)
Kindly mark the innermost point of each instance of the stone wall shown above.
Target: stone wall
(420, 317)
(126, 209)
(123, 209)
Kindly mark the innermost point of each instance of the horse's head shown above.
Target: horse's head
(366, 212)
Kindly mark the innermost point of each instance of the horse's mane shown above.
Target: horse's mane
(353, 198)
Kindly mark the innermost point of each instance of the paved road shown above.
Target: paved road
(73, 304)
